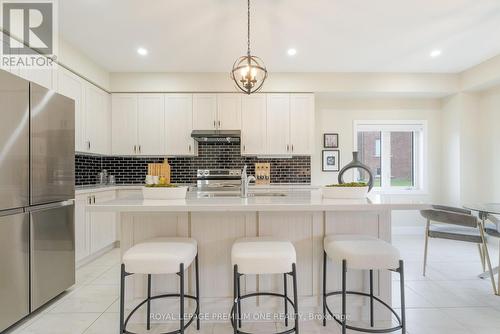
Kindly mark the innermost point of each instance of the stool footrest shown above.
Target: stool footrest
(125, 331)
(361, 329)
(258, 294)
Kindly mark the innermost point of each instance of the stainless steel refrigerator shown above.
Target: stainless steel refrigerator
(37, 246)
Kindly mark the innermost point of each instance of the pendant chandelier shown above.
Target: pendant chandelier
(249, 72)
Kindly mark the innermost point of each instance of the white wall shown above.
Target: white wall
(461, 137)
(82, 65)
(393, 84)
(489, 150)
(336, 115)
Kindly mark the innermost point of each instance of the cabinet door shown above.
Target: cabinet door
(124, 124)
(82, 229)
(72, 86)
(102, 224)
(151, 124)
(278, 124)
(253, 124)
(179, 124)
(302, 123)
(229, 111)
(204, 111)
(98, 118)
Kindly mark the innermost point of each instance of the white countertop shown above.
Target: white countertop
(308, 200)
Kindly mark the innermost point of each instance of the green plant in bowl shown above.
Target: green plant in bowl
(348, 185)
(168, 185)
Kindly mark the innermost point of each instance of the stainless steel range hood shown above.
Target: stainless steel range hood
(216, 136)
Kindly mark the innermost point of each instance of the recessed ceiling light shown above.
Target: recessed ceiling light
(435, 53)
(142, 51)
(292, 52)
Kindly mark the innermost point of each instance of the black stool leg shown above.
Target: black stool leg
(324, 288)
(148, 320)
(371, 299)
(197, 292)
(344, 278)
(285, 288)
(403, 307)
(238, 278)
(235, 300)
(181, 316)
(295, 298)
(122, 299)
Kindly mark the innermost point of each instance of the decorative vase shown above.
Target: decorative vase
(356, 164)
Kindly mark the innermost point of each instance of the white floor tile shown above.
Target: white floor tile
(68, 323)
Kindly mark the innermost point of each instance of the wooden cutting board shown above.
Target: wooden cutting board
(161, 170)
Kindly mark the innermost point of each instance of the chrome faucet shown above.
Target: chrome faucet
(245, 181)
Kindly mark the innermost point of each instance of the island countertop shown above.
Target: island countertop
(304, 200)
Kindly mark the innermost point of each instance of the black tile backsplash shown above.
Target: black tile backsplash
(129, 170)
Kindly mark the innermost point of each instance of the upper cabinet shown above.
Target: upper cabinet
(229, 111)
(204, 111)
(73, 87)
(302, 124)
(295, 115)
(151, 124)
(278, 124)
(161, 124)
(124, 124)
(92, 112)
(98, 120)
(216, 111)
(179, 125)
(253, 124)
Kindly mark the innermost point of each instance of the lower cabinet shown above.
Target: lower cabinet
(94, 231)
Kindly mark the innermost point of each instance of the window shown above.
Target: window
(394, 151)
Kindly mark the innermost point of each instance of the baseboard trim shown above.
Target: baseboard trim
(97, 254)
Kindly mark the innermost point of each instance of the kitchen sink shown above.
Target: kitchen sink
(235, 195)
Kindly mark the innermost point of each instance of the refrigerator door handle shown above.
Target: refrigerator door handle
(50, 206)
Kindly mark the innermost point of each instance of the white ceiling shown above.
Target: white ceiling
(329, 35)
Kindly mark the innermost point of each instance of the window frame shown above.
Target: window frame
(420, 152)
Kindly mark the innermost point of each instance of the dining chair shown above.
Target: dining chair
(445, 222)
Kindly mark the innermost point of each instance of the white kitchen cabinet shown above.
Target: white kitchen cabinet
(97, 120)
(204, 111)
(302, 124)
(179, 125)
(92, 112)
(124, 124)
(151, 124)
(102, 224)
(72, 86)
(253, 124)
(94, 231)
(229, 111)
(138, 124)
(82, 227)
(278, 124)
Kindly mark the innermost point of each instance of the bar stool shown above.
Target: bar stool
(160, 256)
(362, 252)
(264, 255)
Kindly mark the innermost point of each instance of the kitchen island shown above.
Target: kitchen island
(216, 220)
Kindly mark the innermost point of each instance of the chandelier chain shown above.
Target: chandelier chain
(248, 28)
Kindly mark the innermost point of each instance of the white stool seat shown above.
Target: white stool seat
(160, 256)
(263, 255)
(361, 251)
